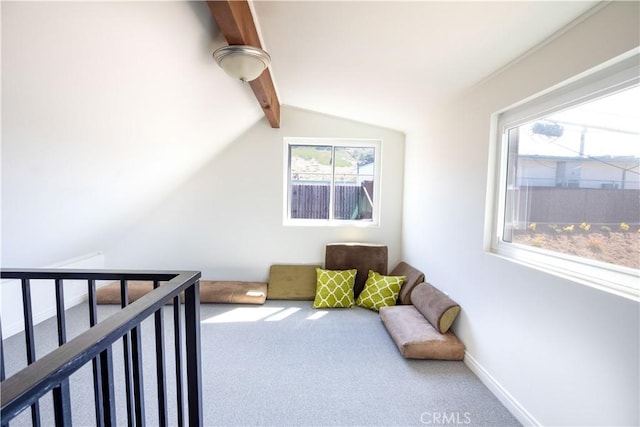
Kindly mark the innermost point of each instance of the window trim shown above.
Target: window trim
(614, 75)
(376, 143)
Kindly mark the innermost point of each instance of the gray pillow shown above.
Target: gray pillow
(436, 307)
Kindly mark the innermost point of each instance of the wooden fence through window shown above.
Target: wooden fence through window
(311, 201)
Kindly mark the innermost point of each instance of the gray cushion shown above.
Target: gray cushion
(416, 338)
(435, 306)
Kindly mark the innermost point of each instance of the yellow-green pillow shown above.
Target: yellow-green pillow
(380, 291)
(334, 288)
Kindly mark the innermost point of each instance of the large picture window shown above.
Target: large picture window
(568, 191)
(331, 181)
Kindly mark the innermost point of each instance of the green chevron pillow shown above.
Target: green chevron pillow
(380, 291)
(334, 288)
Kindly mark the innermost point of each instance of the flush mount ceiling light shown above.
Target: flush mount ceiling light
(241, 62)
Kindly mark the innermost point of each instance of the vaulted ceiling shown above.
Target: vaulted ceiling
(389, 63)
(109, 107)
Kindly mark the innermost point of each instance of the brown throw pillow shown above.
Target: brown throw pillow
(361, 256)
(413, 277)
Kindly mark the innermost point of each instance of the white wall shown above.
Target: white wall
(556, 352)
(226, 220)
(106, 108)
(115, 120)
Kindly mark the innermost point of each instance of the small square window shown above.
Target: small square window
(331, 181)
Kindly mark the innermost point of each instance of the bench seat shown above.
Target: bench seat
(416, 338)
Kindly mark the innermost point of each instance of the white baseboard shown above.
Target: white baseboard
(51, 311)
(12, 316)
(17, 324)
(500, 392)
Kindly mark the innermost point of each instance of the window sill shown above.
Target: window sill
(620, 281)
(329, 223)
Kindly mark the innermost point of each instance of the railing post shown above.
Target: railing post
(1, 354)
(160, 365)
(96, 362)
(194, 368)
(61, 395)
(108, 402)
(30, 341)
(128, 362)
(138, 383)
(2, 374)
(177, 342)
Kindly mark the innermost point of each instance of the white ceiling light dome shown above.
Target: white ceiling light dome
(242, 62)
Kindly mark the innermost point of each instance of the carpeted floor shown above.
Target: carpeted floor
(286, 364)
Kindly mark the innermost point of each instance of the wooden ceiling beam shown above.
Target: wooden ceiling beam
(236, 23)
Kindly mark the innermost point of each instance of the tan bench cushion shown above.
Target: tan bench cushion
(110, 293)
(292, 282)
(211, 291)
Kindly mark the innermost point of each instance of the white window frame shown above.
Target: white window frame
(376, 144)
(613, 76)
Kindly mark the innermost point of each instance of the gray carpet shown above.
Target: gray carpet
(286, 364)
